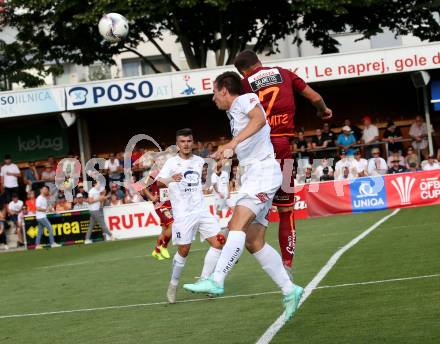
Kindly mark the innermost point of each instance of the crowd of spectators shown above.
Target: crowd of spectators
(352, 152)
(356, 152)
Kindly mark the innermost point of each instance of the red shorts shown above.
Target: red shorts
(165, 216)
(283, 150)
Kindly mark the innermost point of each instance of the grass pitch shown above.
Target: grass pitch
(117, 274)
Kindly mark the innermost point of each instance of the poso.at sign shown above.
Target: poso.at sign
(118, 92)
(114, 92)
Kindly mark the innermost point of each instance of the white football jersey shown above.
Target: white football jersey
(222, 182)
(258, 146)
(186, 196)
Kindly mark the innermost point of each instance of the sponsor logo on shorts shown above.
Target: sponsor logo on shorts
(262, 196)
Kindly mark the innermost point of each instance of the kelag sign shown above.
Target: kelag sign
(68, 228)
(34, 143)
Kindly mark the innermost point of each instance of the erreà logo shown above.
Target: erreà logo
(403, 186)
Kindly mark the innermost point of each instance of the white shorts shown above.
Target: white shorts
(185, 229)
(220, 203)
(259, 183)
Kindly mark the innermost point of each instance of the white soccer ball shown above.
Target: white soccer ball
(113, 27)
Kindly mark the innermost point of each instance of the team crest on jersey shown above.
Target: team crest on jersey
(262, 196)
(264, 78)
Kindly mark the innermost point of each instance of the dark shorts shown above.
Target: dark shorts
(283, 150)
(165, 216)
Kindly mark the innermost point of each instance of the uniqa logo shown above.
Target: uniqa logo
(403, 186)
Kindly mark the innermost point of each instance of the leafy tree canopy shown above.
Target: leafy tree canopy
(52, 32)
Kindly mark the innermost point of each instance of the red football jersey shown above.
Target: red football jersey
(276, 86)
(154, 189)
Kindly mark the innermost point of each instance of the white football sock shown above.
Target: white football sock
(271, 262)
(231, 252)
(178, 264)
(211, 259)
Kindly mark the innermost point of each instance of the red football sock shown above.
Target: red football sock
(159, 242)
(286, 237)
(165, 241)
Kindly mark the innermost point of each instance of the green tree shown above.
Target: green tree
(52, 32)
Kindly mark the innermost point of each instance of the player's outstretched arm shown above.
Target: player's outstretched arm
(315, 98)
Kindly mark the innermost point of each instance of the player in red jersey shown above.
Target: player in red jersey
(276, 89)
(163, 210)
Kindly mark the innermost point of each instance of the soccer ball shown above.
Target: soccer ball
(113, 27)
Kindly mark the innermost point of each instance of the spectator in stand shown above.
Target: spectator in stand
(234, 179)
(376, 165)
(308, 176)
(300, 148)
(201, 150)
(206, 184)
(328, 134)
(319, 142)
(30, 202)
(14, 208)
(80, 189)
(210, 149)
(80, 202)
(413, 167)
(370, 135)
(345, 174)
(355, 130)
(3, 238)
(344, 163)
(419, 133)
(9, 174)
(114, 188)
(326, 176)
(396, 167)
(346, 141)
(324, 164)
(30, 176)
(114, 200)
(222, 140)
(392, 135)
(113, 168)
(131, 195)
(360, 164)
(135, 155)
(430, 164)
(52, 162)
(411, 157)
(62, 204)
(48, 176)
(396, 155)
(43, 208)
(438, 155)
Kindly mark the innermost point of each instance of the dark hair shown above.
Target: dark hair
(14, 195)
(8, 157)
(44, 187)
(245, 60)
(231, 81)
(184, 132)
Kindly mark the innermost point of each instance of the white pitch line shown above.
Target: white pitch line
(378, 281)
(102, 261)
(80, 310)
(279, 323)
(207, 299)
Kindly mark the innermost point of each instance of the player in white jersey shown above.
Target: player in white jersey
(261, 179)
(182, 175)
(220, 183)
